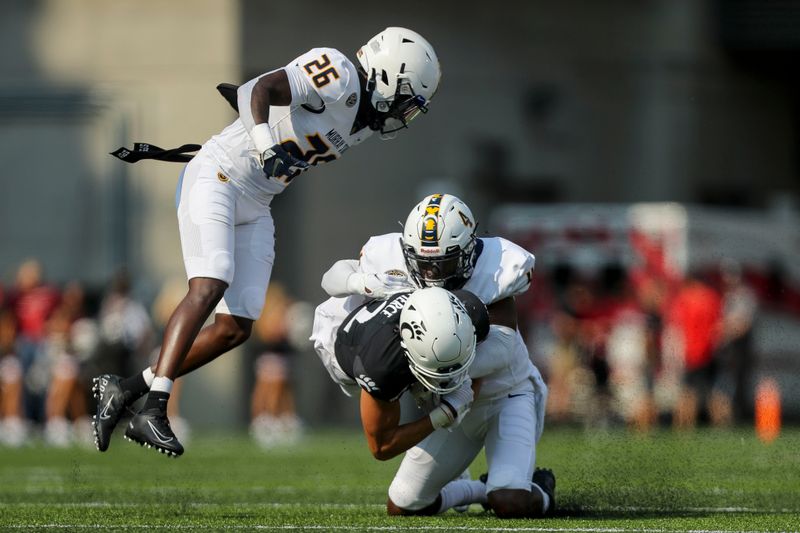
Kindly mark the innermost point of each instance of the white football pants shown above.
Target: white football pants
(509, 427)
(226, 235)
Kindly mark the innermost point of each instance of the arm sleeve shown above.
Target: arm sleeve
(494, 353)
(334, 281)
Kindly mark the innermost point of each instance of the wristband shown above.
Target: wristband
(439, 417)
(262, 137)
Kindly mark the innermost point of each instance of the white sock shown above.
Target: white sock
(545, 497)
(148, 376)
(462, 491)
(161, 384)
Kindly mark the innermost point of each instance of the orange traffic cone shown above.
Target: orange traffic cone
(768, 410)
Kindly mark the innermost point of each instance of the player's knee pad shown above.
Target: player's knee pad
(253, 301)
(222, 265)
(406, 496)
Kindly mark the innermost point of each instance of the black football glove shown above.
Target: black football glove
(277, 162)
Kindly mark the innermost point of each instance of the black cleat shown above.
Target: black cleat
(546, 480)
(111, 405)
(151, 428)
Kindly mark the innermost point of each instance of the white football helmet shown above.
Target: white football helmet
(402, 73)
(438, 338)
(439, 242)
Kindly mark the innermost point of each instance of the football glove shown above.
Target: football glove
(277, 162)
(453, 406)
(378, 286)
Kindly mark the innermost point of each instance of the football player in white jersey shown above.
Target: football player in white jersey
(438, 247)
(311, 111)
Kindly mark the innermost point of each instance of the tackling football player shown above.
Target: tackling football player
(424, 341)
(309, 112)
(439, 248)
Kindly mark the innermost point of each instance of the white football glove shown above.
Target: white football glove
(379, 286)
(453, 406)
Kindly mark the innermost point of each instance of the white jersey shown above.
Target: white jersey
(314, 128)
(502, 270)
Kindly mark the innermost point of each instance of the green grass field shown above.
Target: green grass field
(607, 482)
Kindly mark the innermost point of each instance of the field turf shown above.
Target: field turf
(607, 482)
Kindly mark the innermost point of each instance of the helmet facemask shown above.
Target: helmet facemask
(392, 115)
(401, 75)
(442, 382)
(449, 271)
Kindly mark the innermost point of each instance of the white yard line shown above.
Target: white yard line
(361, 528)
(631, 509)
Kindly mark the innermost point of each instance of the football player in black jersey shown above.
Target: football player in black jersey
(425, 339)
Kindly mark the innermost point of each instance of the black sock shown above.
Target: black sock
(156, 401)
(135, 387)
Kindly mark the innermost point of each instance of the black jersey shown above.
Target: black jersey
(368, 348)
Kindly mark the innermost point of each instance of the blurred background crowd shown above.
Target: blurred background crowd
(648, 154)
(54, 338)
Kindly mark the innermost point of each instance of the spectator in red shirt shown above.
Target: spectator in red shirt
(32, 302)
(695, 315)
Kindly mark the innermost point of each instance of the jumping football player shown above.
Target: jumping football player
(438, 247)
(425, 340)
(306, 113)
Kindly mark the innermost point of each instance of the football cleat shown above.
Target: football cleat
(111, 406)
(151, 428)
(546, 480)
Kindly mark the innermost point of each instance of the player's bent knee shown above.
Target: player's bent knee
(206, 292)
(405, 499)
(511, 503)
(392, 509)
(235, 329)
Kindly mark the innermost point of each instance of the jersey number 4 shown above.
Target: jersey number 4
(324, 71)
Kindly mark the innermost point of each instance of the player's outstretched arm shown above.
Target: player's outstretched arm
(345, 278)
(334, 281)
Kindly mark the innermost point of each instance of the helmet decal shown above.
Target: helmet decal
(439, 242)
(438, 339)
(430, 222)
